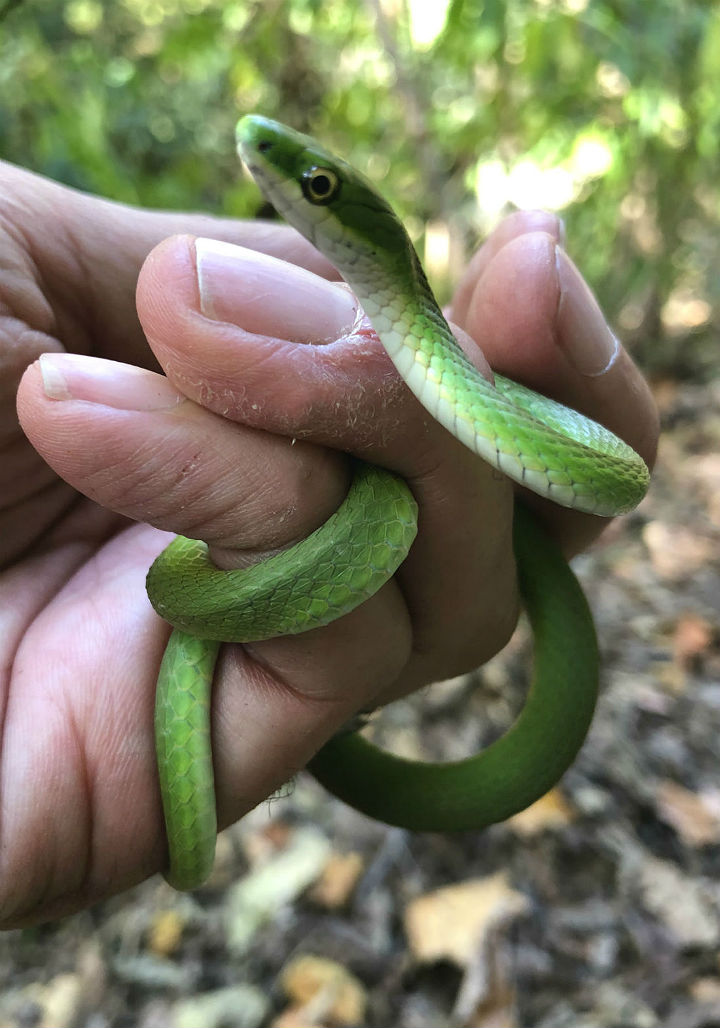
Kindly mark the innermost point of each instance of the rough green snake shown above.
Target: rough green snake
(541, 444)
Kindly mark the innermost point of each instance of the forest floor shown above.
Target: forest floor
(598, 908)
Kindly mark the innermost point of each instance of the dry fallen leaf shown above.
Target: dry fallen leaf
(452, 922)
(241, 1005)
(676, 551)
(692, 637)
(293, 1017)
(265, 841)
(60, 1000)
(338, 879)
(166, 933)
(695, 816)
(321, 991)
(257, 898)
(487, 997)
(551, 811)
(705, 990)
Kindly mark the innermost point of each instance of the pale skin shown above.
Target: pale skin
(242, 445)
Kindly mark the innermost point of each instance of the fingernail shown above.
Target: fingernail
(542, 221)
(73, 376)
(584, 334)
(267, 296)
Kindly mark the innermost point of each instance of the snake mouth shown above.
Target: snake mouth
(254, 169)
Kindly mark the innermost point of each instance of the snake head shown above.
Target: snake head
(320, 194)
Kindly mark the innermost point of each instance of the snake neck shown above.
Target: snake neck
(402, 307)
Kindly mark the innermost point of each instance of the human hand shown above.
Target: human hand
(210, 452)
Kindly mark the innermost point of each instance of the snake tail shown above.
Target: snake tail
(525, 762)
(184, 756)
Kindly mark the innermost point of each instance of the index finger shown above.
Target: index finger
(538, 322)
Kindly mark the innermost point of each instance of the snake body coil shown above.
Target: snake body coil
(539, 443)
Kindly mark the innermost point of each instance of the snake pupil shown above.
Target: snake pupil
(320, 185)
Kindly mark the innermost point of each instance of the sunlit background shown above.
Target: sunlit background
(604, 112)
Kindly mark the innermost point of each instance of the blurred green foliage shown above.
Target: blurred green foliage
(605, 110)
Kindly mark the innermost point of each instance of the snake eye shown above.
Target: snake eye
(320, 185)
